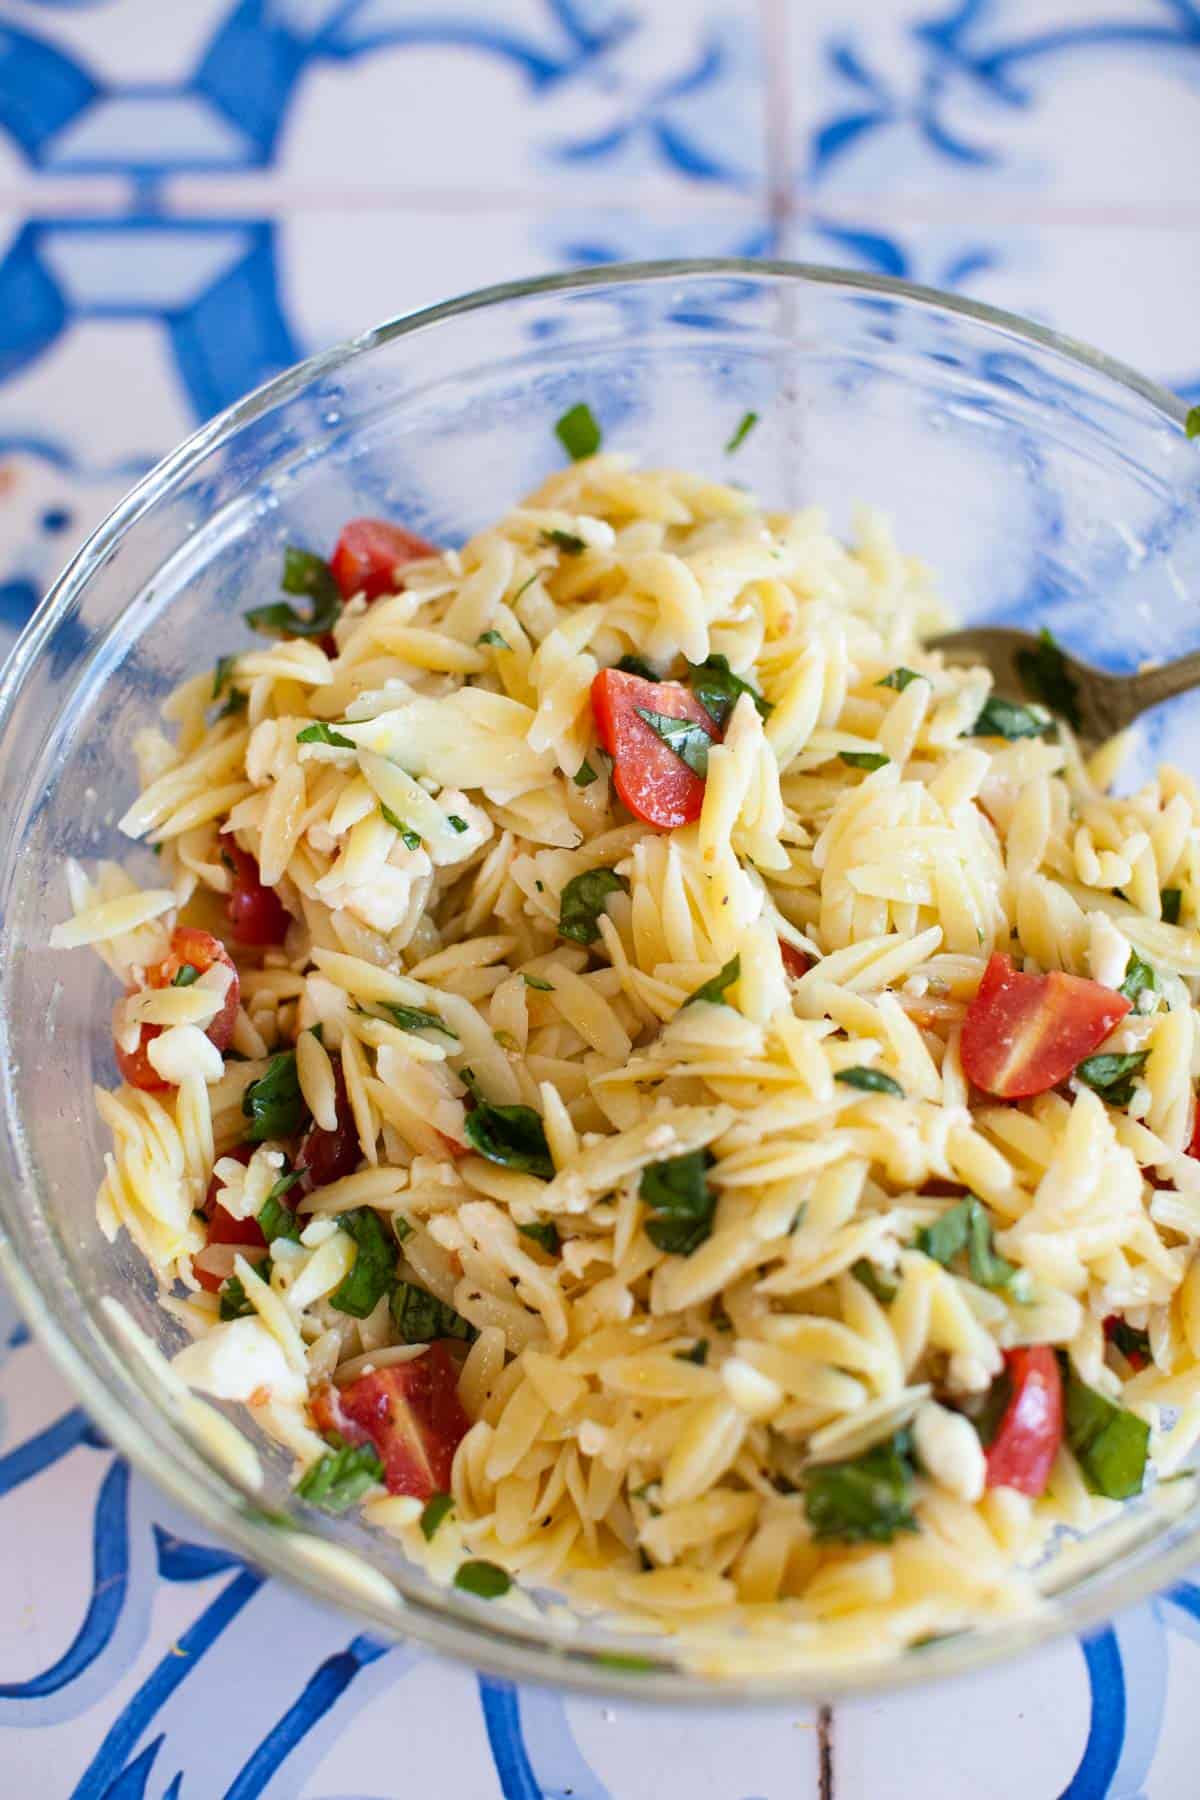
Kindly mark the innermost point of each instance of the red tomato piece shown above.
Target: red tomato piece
(368, 554)
(1136, 1358)
(656, 785)
(327, 1156)
(201, 950)
(257, 914)
(1023, 1034)
(1022, 1452)
(412, 1414)
(795, 963)
(1193, 1148)
(223, 1228)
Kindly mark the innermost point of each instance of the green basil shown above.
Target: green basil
(585, 774)
(1134, 1345)
(544, 1234)
(486, 1580)
(435, 1510)
(1140, 979)
(274, 1104)
(511, 1135)
(343, 1475)
(1113, 1077)
(871, 1081)
(714, 991)
(718, 689)
(637, 665)
(321, 733)
(863, 759)
(401, 1229)
(233, 1302)
(698, 1353)
(236, 702)
(689, 741)
(1172, 899)
(582, 902)
(1004, 719)
(307, 576)
(901, 678)
(538, 985)
(968, 1227)
(1192, 422)
(1045, 677)
(371, 1273)
(578, 432)
(457, 824)
(566, 541)
(876, 1281)
(420, 1317)
(222, 673)
(412, 1018)
(866, 1499)
(184, 975)
(275, 1220)
(409, 838)
(494, 639)
(745, 426)
(1109, 1444)
(681, 1202)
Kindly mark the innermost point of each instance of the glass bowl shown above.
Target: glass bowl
(1045, 484)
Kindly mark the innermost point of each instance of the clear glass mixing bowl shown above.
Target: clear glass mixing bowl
(1045, 483)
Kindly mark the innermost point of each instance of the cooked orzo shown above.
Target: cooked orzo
(655, 1087)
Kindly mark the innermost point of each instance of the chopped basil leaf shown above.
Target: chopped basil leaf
(585, 774)
(871, 1081)
(408, 838)
(311, 577)
(544, 1234)
(274, 1104)
(566, 541)
(222, 670)
(624, 1664)
(745, 426)
(539, 986)
(681, 1202)
(233, 1303)
(275, 1220)
(184, 975)
(1108, 1443)
(1171, 901)
(698, 1353)
(434, 1512)
(1044, 676)
(484, 1579)
(321, 733)
(511, 1135)
(578, 432)
(901, 678)
(876, 1281)
(714, 991)
(237, 702)
(401, 1229)
(342, 1476)
(1113, 1077)
(582, 902)
(1134, 1345)
(411, 1018)
(968, 1227)
(866, 1499)
(637, 665)
(718, 689)
(493, 637)
(863, 759)
(1192, 423)
(420, 1317)
(1140, 979)
(689, 741)
(995, 1404)
(457, 824)
(1002, 718)
(360, 1291)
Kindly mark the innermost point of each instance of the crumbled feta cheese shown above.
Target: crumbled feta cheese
(184, 1050)
(244, 1187)
(948, 1449)
(455, 846)
(238, 1359)
(1108, 951)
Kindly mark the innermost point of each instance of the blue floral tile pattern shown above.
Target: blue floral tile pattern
(199, 194)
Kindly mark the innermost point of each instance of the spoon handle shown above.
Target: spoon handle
(1150, 687)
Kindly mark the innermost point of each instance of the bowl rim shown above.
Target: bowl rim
(224, 1510)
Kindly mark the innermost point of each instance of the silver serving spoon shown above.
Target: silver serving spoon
(1094, 703)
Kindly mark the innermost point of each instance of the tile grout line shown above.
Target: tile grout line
(773, 24)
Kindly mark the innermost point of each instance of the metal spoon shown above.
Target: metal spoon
(1094, 703)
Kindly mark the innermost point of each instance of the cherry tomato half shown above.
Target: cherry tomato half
(368, 554)
(795, 963)
(189, 948)
(412, 1414)
(223, 1228)
(327, 1156)
(656, 785)
(1022, 1452)
(1023, 1034)
(258, 916)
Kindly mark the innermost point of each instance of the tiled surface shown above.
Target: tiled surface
(193, 194)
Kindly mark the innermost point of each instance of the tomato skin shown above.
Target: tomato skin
(327, 1156)
(1023, 1034)
(410, 1412)
(258, 916)
(1193, 1148)
(201, 950)
(369, 552)
(795, 963)
(223, 1228)
(656, 785)
(1022, 1452)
